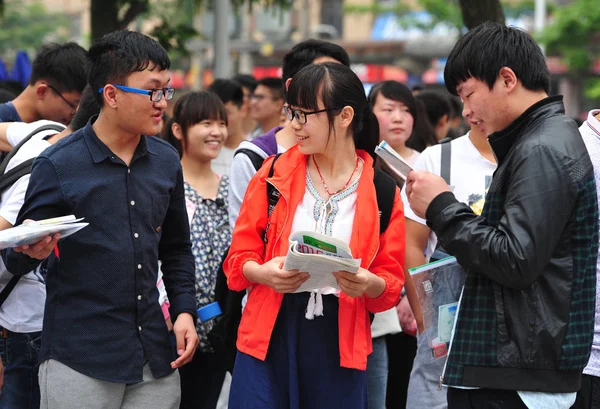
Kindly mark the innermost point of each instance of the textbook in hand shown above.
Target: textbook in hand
(32, 232)
(320, 256)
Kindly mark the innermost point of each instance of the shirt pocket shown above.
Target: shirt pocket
(160, 205)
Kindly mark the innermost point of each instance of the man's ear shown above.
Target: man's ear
(508, 78)
(109, 93)
(41, 89)
(287, 83)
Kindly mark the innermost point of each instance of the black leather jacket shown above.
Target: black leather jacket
(527, 314)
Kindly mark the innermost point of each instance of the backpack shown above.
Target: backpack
(10, 177)
(223, 336)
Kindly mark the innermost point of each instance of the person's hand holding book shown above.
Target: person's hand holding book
(359, 283)
(273, 275)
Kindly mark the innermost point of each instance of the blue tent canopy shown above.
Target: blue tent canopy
(21, 70)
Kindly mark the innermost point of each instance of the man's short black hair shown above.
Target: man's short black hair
(246, 80)
(64, 66)
(118, 54)
(228, 91)
(483, 51)
(304, 53)
(88, 107)
(6, 95)
(274, 84)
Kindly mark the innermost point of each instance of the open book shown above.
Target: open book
(433, 291)
(32, 232)
(320, 256)
(392, 159)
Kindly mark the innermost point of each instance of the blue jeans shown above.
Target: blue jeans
(377, 374)
(19, 354)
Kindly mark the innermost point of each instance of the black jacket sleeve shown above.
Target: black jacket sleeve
(538, 201)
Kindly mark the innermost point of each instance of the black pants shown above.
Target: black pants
(484, 399)
(201, 381)
(402, 349)
(588, 396)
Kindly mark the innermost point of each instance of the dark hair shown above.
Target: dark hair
(337, 86)
(483, 51)
(190, 109)
(396, 91)
(228, 91)
(246, 80)
(64, 66)
(274, 84)
(12, 86)
(422, 134)
(6, 95)
(88, 107)
(436, 106)
(304, 53)
(456, 105)
(118, 54)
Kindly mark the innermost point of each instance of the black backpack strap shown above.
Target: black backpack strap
(10, 177)
(446, 161)
(8, 289)
(385, 187)
(255, 158)
(13, 152)
(15, 174)
(272, 196)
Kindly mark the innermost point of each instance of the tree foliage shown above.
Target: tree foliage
(574, 34)
(27, 27)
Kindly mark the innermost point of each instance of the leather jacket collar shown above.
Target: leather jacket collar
(503, 140)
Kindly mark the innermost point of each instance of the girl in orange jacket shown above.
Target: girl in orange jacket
(294, 353)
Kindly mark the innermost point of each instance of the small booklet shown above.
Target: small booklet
(320, 256)
(433, 292)
(32, 232)
(392, 159)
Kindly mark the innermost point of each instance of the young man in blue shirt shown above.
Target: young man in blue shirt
(104, 333)
(58, 76)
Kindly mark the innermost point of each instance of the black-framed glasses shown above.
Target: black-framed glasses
(61, 96)
(301, 115)
(155, 94)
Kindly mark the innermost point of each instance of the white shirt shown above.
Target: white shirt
(23, 310)
(470, 175)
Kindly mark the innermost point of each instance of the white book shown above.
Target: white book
(320, 256)
(32, 232)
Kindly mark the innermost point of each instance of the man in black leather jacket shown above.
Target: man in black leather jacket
(526, 318)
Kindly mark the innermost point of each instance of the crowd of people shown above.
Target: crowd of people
(191, 199)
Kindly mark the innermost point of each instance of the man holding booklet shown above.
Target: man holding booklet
(526, 317)
(104, 332)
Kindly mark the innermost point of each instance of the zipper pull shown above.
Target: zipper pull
(441, 382)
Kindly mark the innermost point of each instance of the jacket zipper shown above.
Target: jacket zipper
(284, 222)
(492, 148)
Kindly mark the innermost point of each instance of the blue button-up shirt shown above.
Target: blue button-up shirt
(102, 314)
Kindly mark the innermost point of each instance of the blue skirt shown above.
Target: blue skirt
(302, 369)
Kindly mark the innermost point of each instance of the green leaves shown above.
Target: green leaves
(27, 27)
(574, 34)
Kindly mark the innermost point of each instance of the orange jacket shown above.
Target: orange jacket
(382, 255)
